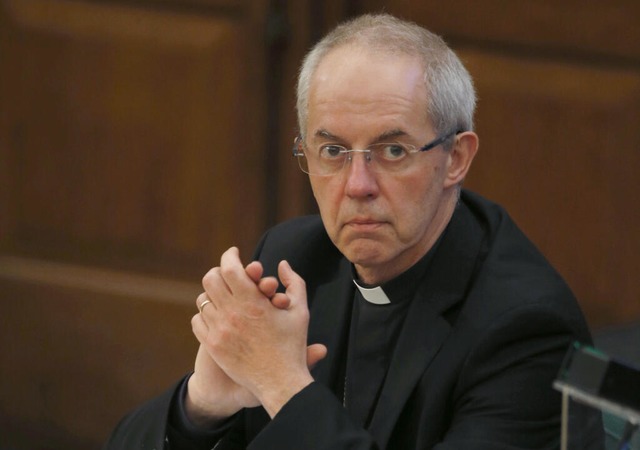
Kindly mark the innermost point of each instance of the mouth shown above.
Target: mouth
(364, 225)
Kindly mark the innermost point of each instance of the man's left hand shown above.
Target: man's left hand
(258, 345)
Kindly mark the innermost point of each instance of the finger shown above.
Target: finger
(315, 353)
(268, 286)
(214, 285)
(293, 283)
(200, 328)
(231, 267)
(236, 278)
(281, 301)
(202, 301)
(254, 270)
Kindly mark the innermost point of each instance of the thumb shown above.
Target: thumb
(293, 283)
(315, 353)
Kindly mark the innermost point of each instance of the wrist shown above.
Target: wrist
(275, 398)
(201, 409)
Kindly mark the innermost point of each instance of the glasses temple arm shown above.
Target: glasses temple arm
(439, 141)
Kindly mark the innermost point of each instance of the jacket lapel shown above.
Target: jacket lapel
(425, 329)
(330, 314)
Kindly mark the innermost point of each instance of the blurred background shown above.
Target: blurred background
(141, 138)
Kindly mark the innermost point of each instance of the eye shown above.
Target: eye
(392, 152)
(331, 151)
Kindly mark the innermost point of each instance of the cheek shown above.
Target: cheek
(415, 203)
(319, 190)
(327, 199)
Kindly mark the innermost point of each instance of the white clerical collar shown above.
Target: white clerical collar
(373, 295)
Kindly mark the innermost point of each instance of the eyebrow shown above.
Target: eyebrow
(394, 133)
(325, 134)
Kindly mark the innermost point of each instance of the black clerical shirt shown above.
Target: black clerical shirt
(372, 337)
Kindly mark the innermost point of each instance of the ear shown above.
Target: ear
(461, 155)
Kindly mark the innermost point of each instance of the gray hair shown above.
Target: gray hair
(451, 100)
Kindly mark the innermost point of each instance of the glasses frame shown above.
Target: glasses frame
(428, 146)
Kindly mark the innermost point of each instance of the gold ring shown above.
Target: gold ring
(203, 304)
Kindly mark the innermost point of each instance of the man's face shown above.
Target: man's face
(382, 222)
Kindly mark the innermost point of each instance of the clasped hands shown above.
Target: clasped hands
(253, 341)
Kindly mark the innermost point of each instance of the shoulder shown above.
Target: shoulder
(509, 258)
(492, 217)
(515, 285)
(302, 241)
(299, 227)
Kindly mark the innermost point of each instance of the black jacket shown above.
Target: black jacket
(473, 366)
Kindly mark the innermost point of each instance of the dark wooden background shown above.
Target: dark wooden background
(141, 138)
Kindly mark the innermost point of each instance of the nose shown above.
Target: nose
(361, 181)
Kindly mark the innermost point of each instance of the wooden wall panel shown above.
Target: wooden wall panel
(606, 30)
(80, 347)
(128, 136)
(558, 149)
(132, 149)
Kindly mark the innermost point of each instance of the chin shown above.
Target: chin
(365, 253)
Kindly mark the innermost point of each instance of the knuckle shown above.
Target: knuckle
(210, 276)
(234, 320)
(226, 272)
(254, 310)
(195, 325)
(206, 278)
(222, 335)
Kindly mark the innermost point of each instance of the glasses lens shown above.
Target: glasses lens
(390, 157)
(303, 163)
(330, 159)
(326, 160)
(298, 152)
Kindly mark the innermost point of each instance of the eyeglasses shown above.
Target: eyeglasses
(329, 159)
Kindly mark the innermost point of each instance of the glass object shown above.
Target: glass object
(329, 159)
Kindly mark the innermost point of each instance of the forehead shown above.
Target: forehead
(354, 86)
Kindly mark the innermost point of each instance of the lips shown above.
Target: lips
(364, 224)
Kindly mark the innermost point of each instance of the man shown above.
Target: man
(414, 315)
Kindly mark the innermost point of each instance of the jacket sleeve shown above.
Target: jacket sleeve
(161, 424)
(504, 397)
(144, 428)
(313, 419)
